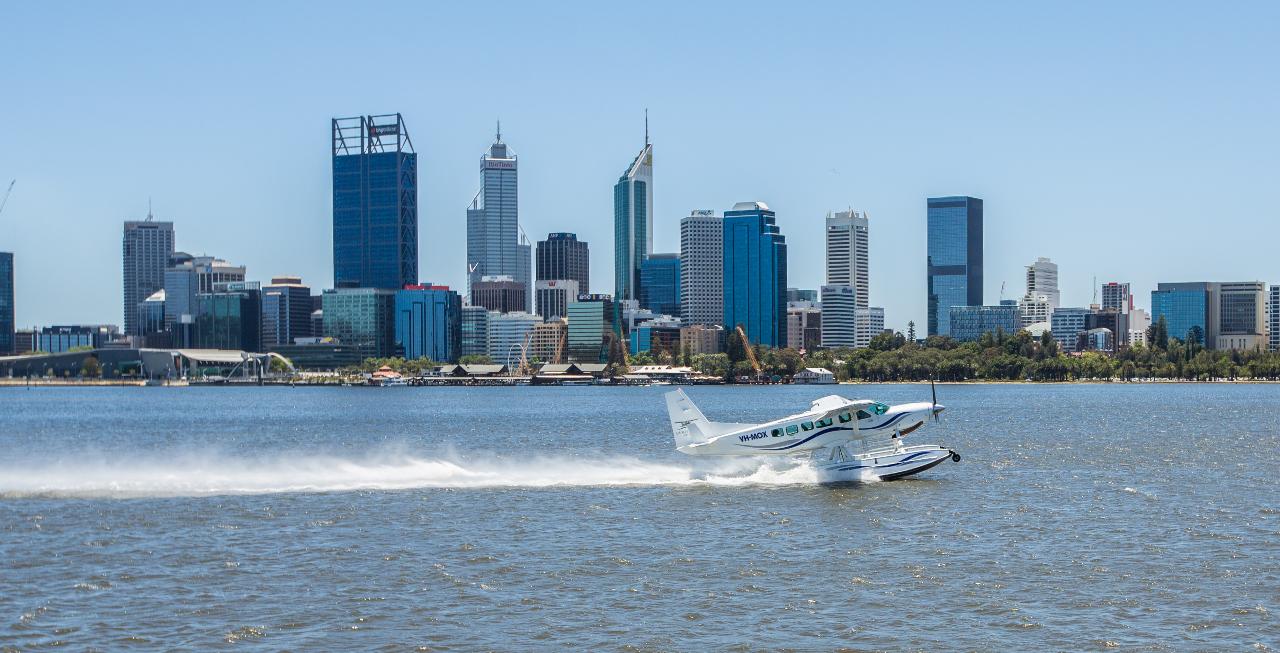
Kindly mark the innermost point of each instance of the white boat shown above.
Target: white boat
(846, 440)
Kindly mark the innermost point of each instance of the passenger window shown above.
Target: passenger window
(793, 429)
(776, 432)
(862, 414)
(823, 423)
(844, 417)
(808, 426)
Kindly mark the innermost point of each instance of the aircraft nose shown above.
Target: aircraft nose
(938, 408)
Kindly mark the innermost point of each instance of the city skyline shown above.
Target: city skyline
(1157, 160)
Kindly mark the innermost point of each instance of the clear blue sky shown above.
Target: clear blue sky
(1131, 141)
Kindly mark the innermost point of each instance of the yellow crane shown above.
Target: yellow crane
(751, 352)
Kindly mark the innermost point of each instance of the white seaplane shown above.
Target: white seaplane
(848, 440)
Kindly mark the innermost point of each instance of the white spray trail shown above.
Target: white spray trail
(216, 474)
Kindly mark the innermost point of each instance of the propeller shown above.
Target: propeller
(933, 389)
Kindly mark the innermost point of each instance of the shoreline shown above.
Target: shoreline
(128, 383)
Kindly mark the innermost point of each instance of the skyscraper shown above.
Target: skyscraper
(755, 274)
(146, 248)
(429, 322)
(1042, 279)
(495, 244)
(7, 344)
(660, 284)
(1273, 318)
(286, 312)
(563, 256)
(954, 265)
(847, 317)
(633, 222)
(375, 203)
(702, 268)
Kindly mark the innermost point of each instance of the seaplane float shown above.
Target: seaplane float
(846, 440)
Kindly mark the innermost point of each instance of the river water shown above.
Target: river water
(1082, 517)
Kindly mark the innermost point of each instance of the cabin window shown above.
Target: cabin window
(808, 426)
(844, 417)
(862, 414)
(823, 423)
(793, 429)
(879, 408)
(776, 433)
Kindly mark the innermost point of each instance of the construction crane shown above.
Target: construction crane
(6, 195)
(751, 353)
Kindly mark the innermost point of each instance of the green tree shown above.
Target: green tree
(475, 359)
(911, 331)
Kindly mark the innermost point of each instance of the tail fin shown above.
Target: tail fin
(688, 423)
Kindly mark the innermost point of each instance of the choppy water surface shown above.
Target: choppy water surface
(1081, 518)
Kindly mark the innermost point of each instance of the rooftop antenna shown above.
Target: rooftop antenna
(499, 130)
(1095, 289)
(646, 125)
(6, 195)
(150, 216)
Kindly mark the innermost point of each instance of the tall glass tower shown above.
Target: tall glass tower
(955, 258)
(633, 222)
(755, 274)
(146, 248)
(375, 203)
(6, 304)
(495, 244)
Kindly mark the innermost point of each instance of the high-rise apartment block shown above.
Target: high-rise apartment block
(375, 203)
(702, 268)
(1117, 296)
(563, 256)
(632, 223)
(954, 265)
(147, 247)
(755, 274)
(495, 244)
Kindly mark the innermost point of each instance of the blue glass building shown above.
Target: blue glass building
(375, 203)
(363, 318)
(429, 323)
(660, 284)
(955, 258)
(6, 303)
(755, 274)
(230, 317)
(632, 223)
(1183, 306)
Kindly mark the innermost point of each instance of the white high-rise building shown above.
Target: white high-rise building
(1034, 309)
(1139, 322)
(1042, 279)
(633, 221)
(868, 323)
(847, 253)
(839, 316)
(702, 268)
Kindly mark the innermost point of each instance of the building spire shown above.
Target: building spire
(646, 125)
(499, 130)
(150, 216)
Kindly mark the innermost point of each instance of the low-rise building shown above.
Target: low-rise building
(701, 339)
(968, 323)
(362, 318)
(814, 376)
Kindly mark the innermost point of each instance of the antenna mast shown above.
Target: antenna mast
(6, 195)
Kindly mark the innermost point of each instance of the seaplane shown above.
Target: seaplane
(846, 440)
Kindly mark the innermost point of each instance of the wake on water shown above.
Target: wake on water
(217, 474)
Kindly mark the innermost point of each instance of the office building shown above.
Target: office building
(428, 322)
(1273, 318)
(147, 246)
(633, 222)
(150, 321)
(1034, 309)
(590, 327)
(804, 326)
(1185, 309)
(701, 339)
(547, 341)
(660, 284)
(868, 323)
(500, 293)
(375, 203)
(495, 244)
(229, 317)
(1242, 318)
(363, 318)
(25, 341)
(286, 312)
(188, 276)
(1042, 280)
(954, 265)
(660, 336)
(848, 262)
(702, 268)
(839, 316)
(509, 335)
(1111, 320)
(801, 295)
(563, 256)
(755, 274)
(553, 296)
(63, 338)
(475, 331)
(1117, 296)
(1139, 323)
(7, 334)
(1066, 324)
(968, 323)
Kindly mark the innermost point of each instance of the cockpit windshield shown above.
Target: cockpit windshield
(874, 409)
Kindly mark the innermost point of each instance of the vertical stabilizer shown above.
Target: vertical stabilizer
(688, 423)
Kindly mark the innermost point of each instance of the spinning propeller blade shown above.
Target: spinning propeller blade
(934, 390)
